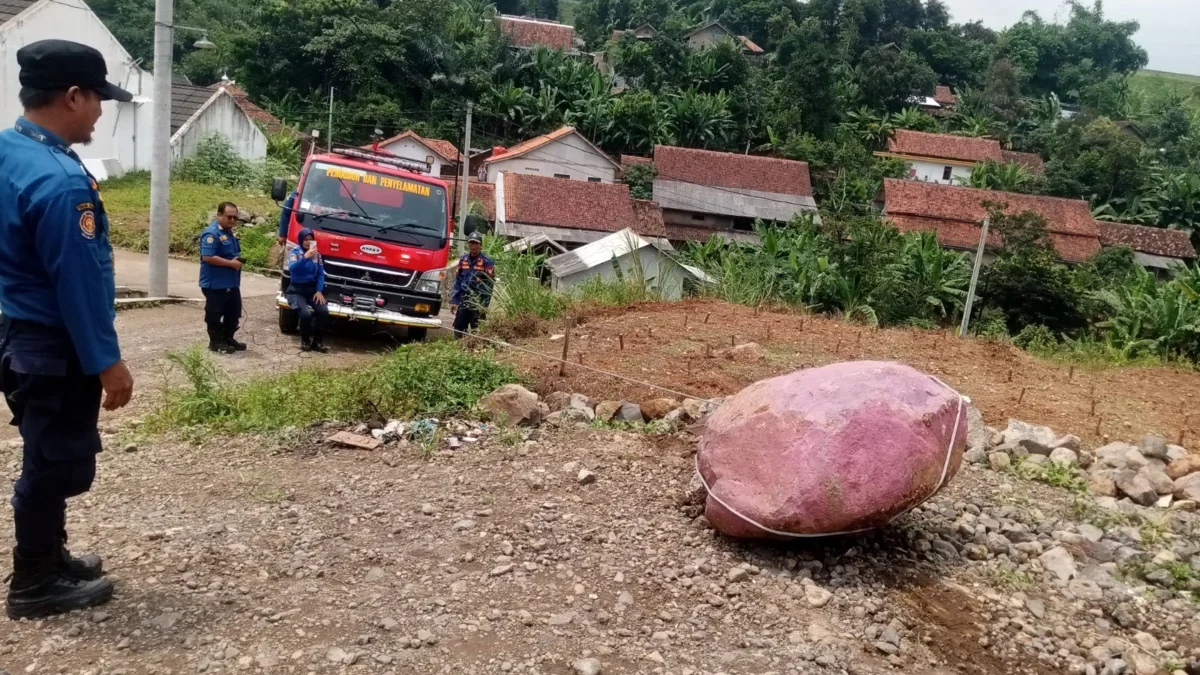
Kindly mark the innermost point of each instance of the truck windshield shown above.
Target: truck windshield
(373, 205)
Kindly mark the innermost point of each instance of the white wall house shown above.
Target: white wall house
(564, 153)
(122, 138)
(945, 172)
(200, 112)
(442, 155)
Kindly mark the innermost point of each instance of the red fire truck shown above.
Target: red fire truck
(383, 227)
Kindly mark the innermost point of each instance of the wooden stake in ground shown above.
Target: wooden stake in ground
(562, 365)
(838, 347)
(685, 320)
(1022, 396)
(1093, 413)
(649, 331)
(1099, 421)
(706, 317)
(1071, 374)
(707, 351)
(1010, 372)
(801, 323)
(768, 332)
(1183, 429)
(731, 340)
(621, 339)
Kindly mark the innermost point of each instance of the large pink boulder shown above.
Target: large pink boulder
(831, 450)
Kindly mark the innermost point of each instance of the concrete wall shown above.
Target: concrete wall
(570, 156)
(659, 272)
(933, 172)
(409, 148)
(707, 38)
(123, 132)
(224, 117)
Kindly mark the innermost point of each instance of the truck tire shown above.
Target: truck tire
(417, 334)
(289, 321)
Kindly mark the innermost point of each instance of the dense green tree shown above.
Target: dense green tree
(1098, 161)
(887, 77)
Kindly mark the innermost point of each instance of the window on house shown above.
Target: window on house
(698, 216)
(562, 175)
(593, 179)
(947, 173)
(533, 169)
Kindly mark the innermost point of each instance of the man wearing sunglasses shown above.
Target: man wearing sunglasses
(221, 280)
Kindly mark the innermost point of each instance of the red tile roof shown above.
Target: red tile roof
(447, 150)
(954, 213)
(531, 144)
(1152, 240)
(728, 170)
(749, 45)
(649, 217)
(629, 160)
(526, 32)
(944, 146)
(485, 194)
(944, 96)
(1029, 160)
(575, 204)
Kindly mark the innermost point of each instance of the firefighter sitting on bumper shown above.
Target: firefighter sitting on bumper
(472, 287)
(305, 293)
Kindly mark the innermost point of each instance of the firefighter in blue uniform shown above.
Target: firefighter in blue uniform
(305, 294)
(221, 280)
(285, 217)
(58, 343)
(472, 287)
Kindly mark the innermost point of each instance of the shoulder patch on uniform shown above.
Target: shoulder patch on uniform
(85, 206)
(87, 225)
(224, 238)
(211, 239)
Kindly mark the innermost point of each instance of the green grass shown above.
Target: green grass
(127, 201)
(1154, 84)
(435, 378)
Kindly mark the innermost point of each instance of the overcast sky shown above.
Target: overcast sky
(1167, 34)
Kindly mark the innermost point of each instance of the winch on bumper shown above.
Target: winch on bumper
(371, 313)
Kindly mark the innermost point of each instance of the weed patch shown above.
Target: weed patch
(436, 378)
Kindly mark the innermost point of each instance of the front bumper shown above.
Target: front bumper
(384, 316)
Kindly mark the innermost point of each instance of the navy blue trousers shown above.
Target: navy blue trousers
(56, 408)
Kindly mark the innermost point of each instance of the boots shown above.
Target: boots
(217, 343)
(318, 345)
(40, 587)
(306, 343)
(237, 346)
(85, 568)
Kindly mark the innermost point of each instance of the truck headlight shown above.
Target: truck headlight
(431, 282)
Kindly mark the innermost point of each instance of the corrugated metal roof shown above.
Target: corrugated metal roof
(11, 8)
(597, 253)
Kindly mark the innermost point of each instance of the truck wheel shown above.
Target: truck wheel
(289, 321)
(417, 334)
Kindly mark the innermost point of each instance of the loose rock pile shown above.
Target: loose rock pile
(514, 405)
(1151, 473)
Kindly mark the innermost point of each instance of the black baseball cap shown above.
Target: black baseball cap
(61, 64)
(475, 236)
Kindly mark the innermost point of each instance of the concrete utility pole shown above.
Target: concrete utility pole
(331, 119)
(160, 160)
(966, 322)
(466, 180)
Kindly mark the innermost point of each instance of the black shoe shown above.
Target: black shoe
(85, 568)
(306, 344)
(319, 347)
(237, 346)
(40, 588)
(220, 347)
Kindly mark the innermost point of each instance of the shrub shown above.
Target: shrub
(1036, 338)
(435, 378)
(640, 179)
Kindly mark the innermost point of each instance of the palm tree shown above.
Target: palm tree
(993, 175)
(913, 118)
(872, 128)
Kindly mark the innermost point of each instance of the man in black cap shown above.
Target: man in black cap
(58, 342)
(472, 287)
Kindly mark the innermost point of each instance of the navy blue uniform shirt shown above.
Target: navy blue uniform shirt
(474, 280)
(285, 216)
(304, 271)
(56, 262)
(220, 243)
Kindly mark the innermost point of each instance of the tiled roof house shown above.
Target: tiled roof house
(568, 211)
(704, 192)
(948, 159)
(1152, 246)
(526, 33)
(956, 213)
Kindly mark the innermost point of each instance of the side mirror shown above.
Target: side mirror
(279, 189)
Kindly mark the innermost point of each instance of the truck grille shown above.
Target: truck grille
(365, 276)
